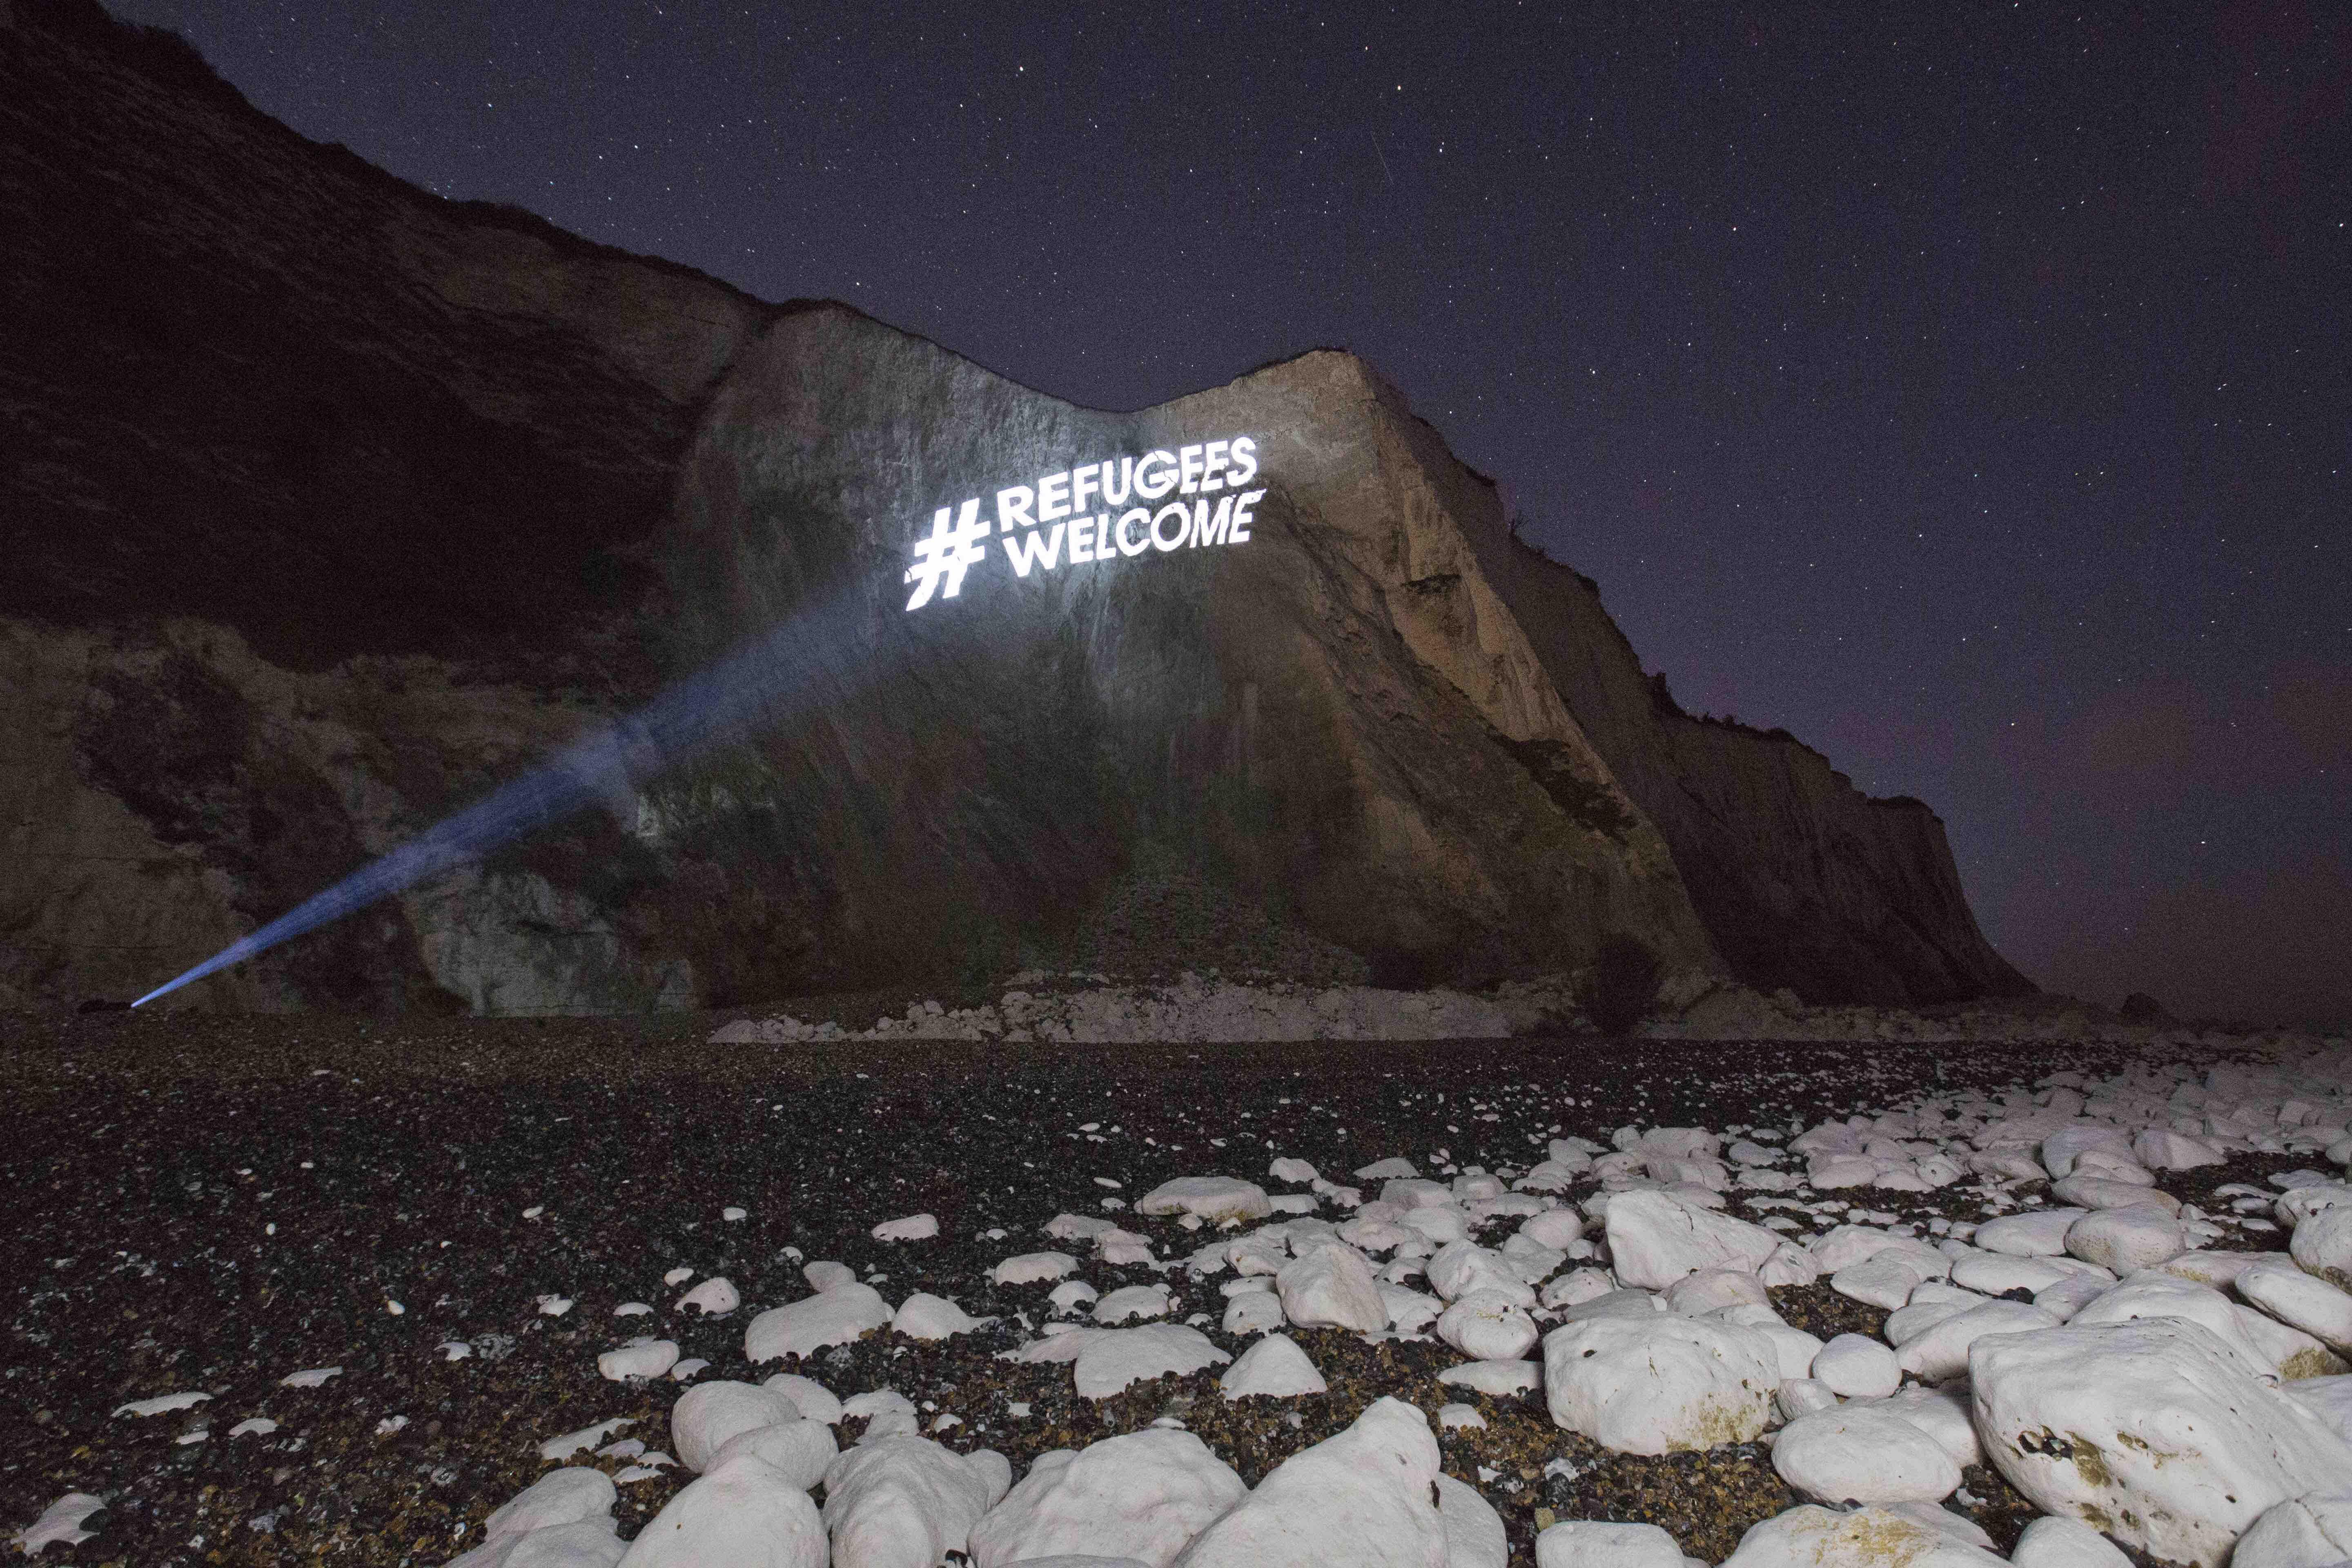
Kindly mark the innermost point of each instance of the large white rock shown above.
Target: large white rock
(2302, 1300)
(801, 1451)
(2056, 1542)
(1488, 1325)
(1332, 1287)
(2329, 1398)
(1475, 1536)
(1260, 1312)
(1656, 1237)
(2312, 1531)
(709, 1414)
(1142, 1496)
(1862, 1453)
(1599, 1543)
(1945, 1415)
(568, 1496)
(1712, 1290)
(1655, 1384)
(1812, 1536)
(1213, 1199)
(2162, 1149)
(2099, 1192)
(832, 1317)
(1366, 1497)
(1886, 1278)
(1502, 1378)
(1461, 1267)
(1855, 1366)
(743, 1513)
(2037, 1233)
(1941, 1354)
(2154, 1431)
(1111, 1359)
(1997, 1273)
(638, 1358)
(814, 1401)
(1033, 1269)
(2268, 1346)
(904, 1501)
(923, 1316)
(2124, 1240)
(1129, 1302)
(1274, 1366)
(2322, 1246)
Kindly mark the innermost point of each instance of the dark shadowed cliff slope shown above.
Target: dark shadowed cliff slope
(327, 505)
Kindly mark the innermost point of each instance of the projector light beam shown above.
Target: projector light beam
(719, 702)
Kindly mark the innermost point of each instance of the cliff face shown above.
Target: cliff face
(333, 505)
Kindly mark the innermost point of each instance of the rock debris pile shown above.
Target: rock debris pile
(2147, 1373)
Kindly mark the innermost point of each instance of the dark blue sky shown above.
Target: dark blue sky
(1971, 395)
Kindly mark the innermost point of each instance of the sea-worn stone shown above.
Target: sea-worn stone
(1661, 1384)
(1475, 1536)
(2322, 1245)
(2302, 1300)
(906, 1501)
(1812, 1536)
(1862, 1453)
(1656, 1238)
(1210, 1198)
(709, 1414)
(2310, 1532)
(1599, 1543)
(2056, 1541)
(1274, 1366)
(1143, 1496)
(803, 1328)
(1855, 1366)
(1332, 1287)
(1109, 1359)
(741, 1512)
(1366, 1497)
(2153, 1431)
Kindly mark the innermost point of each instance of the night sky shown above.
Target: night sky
(1970, 394)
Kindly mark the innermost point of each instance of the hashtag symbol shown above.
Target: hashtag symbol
(949, 550)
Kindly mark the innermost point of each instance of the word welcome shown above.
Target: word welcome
(1053, 520)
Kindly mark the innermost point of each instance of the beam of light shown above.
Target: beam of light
(757, 685)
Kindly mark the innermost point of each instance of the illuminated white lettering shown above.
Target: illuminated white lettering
(1083, 482)
(1117, 497)
(1207, 529)
(1239, 534)
(1042, 547)
(1244, 462)
(1183, 516)
(1152, 486)
(1212, 457)
(1011, 507)
(1053, 497)
(1189, 460)
(946, 553)
(1138, 546)
(1082, 539)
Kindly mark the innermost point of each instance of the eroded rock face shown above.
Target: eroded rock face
(431, 489)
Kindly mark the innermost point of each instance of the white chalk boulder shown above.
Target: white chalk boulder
(1656, 1237)
(904, 1501)
(1212, 1198)
(1657, 1385)
(837, 1315)
(2153, 1430)
(1366, 1497)
(1143, 1496)
(1332, 1287)
(1862, 1453)
(742, 1513)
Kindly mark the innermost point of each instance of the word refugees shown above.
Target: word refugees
(1054, 519)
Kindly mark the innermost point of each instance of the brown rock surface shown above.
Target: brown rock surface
(338, 504)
